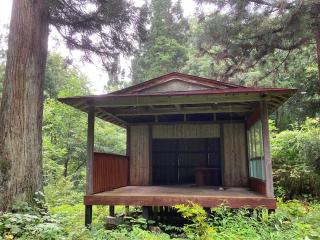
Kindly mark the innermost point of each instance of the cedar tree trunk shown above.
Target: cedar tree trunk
(318, 54)
(22, 103)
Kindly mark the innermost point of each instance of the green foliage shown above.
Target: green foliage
(65, 128)
(165, 49)
(296, 160)
(292, 220)
(29, 222)
(199, 227)
(247, 32)
(164, 56)
(63, 79)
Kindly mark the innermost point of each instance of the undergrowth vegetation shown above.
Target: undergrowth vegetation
(291, 220)
(296, 160)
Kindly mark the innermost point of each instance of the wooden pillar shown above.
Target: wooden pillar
(127, 211)
(222, 169)
(266, 149)
(90, 151)
(146, 212)
(88, 215)
(111, 211)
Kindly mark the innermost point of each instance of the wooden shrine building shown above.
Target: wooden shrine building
(188, 139)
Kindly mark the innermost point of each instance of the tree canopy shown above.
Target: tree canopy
(164, 49)
(243, 33)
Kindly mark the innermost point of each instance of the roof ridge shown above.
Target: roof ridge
(178, 74)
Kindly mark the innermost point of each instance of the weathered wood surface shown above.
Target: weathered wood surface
(266, 149)
(178, 109)
(173, 86)
(234, 152)
(175, 76)
(254, 117)
(110, 171)
(172, 195)
(90, 150)
(139, 155)
(257, 185)
(186, 131)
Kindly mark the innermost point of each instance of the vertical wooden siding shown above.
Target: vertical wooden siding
(235, 162)
(110, 171)
(186, 131)
(257, 185)
(139, 155)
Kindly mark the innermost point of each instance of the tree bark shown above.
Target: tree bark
(318, 54)
(22, 103)
(65, 170)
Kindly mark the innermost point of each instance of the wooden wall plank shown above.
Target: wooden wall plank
(139, 155)
(235, 162)
(110, 171)
(185, 131)
(257, 185)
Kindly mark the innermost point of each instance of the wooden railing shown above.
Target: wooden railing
(257, 185)
(110, 171)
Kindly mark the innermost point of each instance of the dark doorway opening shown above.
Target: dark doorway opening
(176, 161)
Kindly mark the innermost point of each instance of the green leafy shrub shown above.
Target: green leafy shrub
(199, 227)
(26, 222)
(296, 160)
(291, 220)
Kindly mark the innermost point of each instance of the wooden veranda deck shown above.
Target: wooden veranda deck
(207, 196)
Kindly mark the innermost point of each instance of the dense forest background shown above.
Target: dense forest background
(195, 45)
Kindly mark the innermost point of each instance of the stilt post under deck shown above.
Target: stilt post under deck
(111, 211)
(146, 212)
(266, 149)
(88, 215)
(90, 153)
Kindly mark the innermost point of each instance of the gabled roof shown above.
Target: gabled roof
(167, 83)
(178, 94)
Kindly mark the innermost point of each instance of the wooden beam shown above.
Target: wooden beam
(115, 118)
(185, 110)
(167, 200)
(266, 149)
(178, 107)
(114, 101)
(90, 150)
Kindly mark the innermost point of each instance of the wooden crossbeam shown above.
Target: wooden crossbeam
(185, 110)
(110, 116)
(174, 100)
(178, 107)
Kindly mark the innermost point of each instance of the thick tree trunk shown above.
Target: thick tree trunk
(318, 54)
(22, 103)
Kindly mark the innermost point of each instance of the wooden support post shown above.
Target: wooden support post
(126, 210)
(266, 149)
(111, 210)
(222, 170)
(90, 150)
(146, 212)
(88, 216)
(161, 214)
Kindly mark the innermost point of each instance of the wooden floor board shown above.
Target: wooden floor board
(171, 195)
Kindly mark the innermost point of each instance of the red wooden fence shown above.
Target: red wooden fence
(110, 171)
(257, 185)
